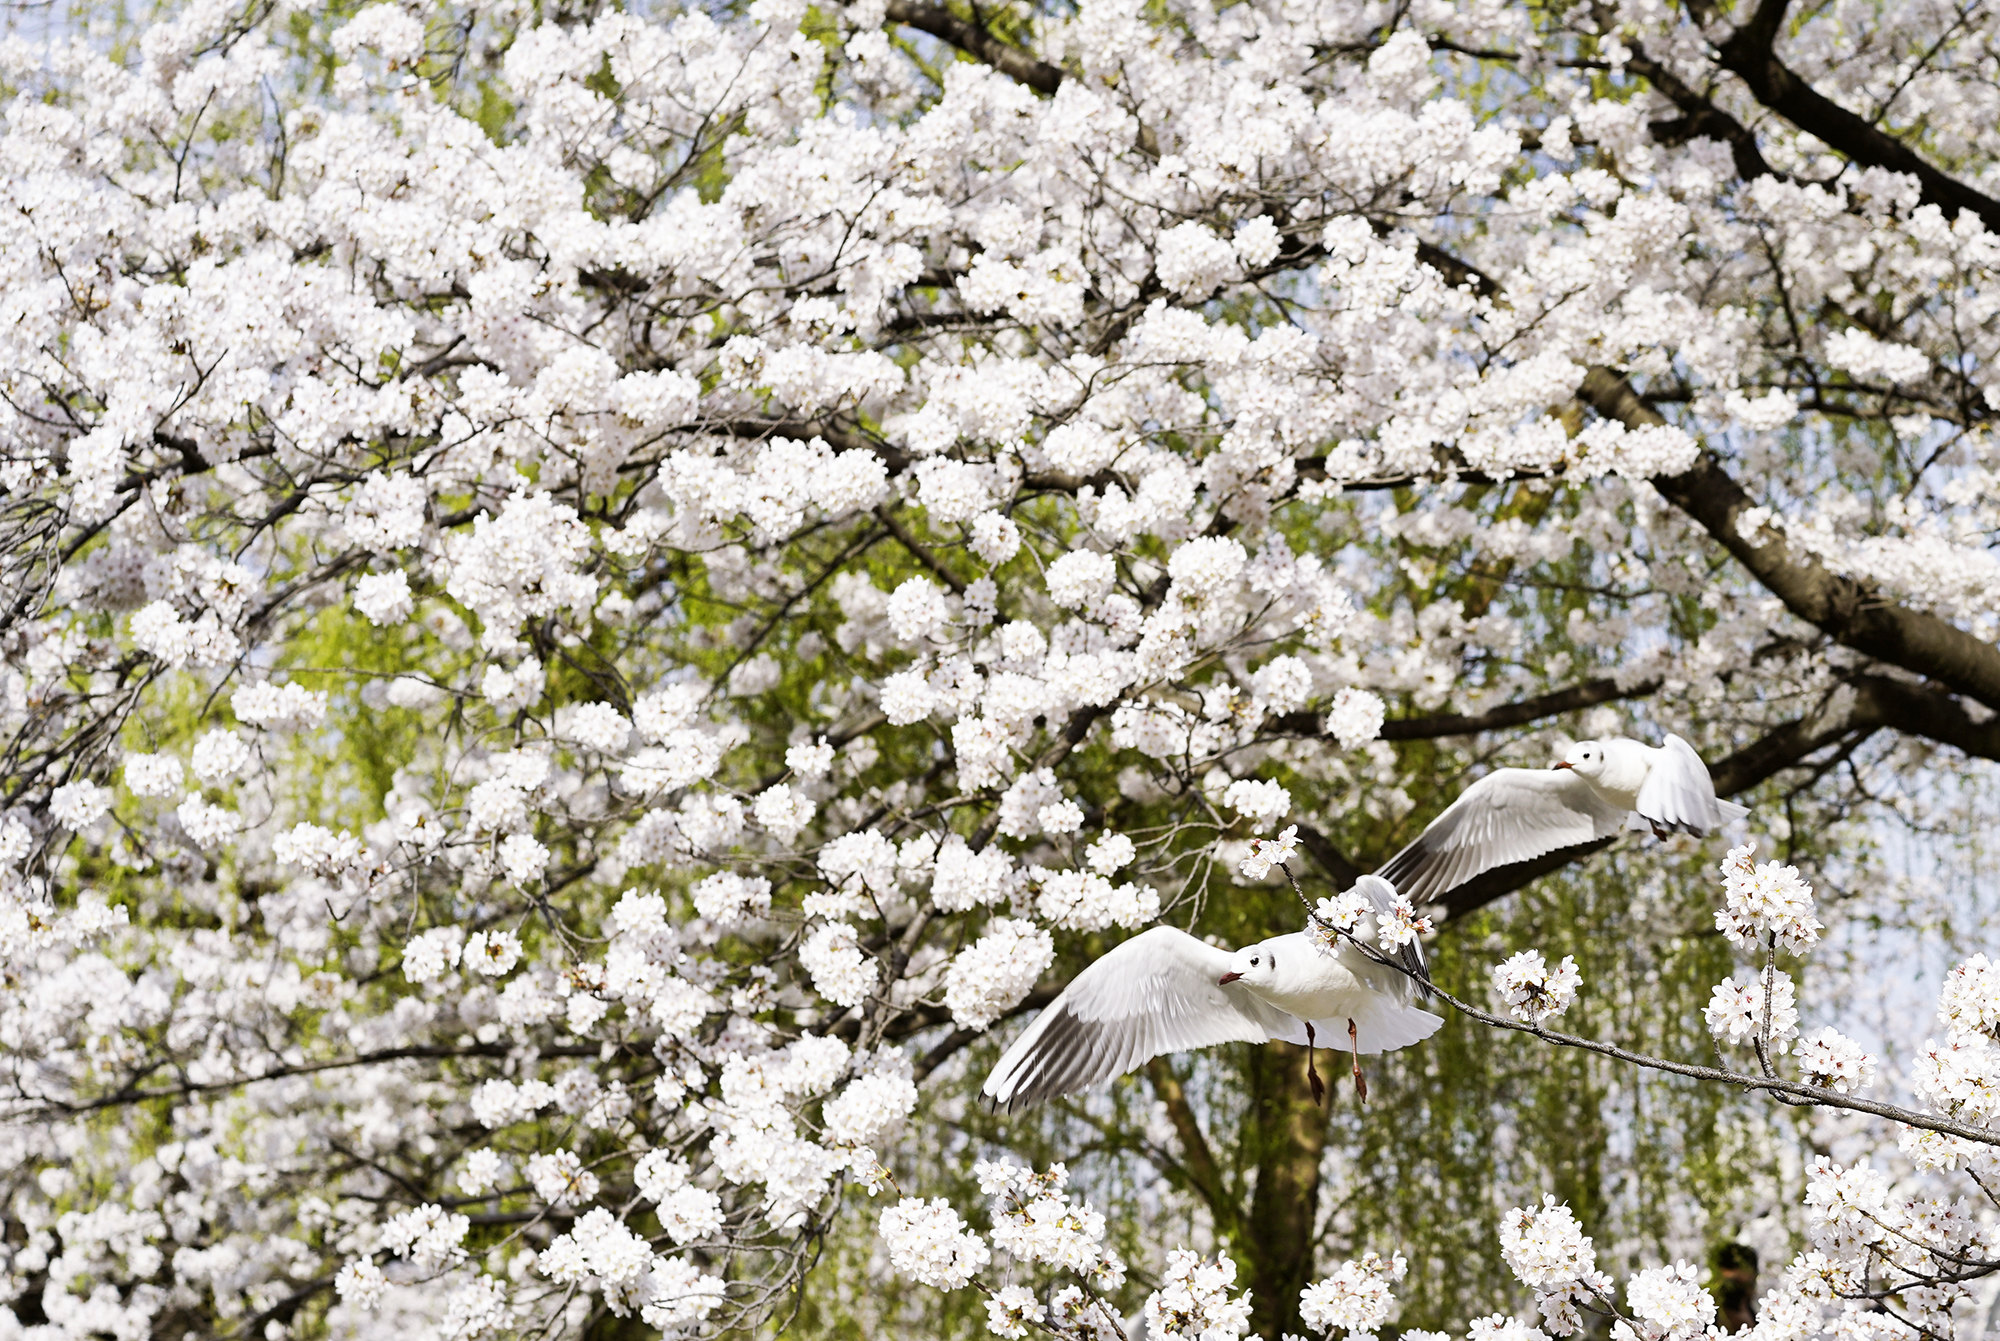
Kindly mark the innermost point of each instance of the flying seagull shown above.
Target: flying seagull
(1517, 814)
(1166, 991)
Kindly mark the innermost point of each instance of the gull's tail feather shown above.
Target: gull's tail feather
(1381, 1026)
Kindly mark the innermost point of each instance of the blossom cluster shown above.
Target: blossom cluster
(1356, 1298)
(1194, 1299)
(1372, 912)
(1765, 902)
(1036, 1223)
(1532, 990)
(1548, 1252)
(1749, 1010)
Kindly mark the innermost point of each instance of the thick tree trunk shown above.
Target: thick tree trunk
(1287, 1134)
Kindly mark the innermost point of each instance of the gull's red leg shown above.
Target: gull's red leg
(1354, 1042)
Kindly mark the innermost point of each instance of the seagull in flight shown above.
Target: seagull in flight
(1165, 991)
(1596, 788)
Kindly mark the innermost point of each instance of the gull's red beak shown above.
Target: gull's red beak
(1564, 764)
(1226, 979)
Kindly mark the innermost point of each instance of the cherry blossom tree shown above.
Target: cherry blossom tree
(595, 600)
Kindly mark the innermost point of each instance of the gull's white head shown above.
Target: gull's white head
(1585, 757)
(1253, 965)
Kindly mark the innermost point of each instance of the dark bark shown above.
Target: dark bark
(1699, 119)
(1320, 848)
(1572, 698)
(1286, 1133)
(1846, 610)
(958, 1039)
(1778, 750)
(1750, 54)
(1735, 1289)
(1924, 710)
(976, 42)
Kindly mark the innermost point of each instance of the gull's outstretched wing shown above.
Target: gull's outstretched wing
(1510, 815)
(1155, 993)
(1679, 794)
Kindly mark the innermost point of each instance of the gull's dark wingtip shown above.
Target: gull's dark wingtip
(1420, 973)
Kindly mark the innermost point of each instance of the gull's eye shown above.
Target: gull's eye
(1253, 961)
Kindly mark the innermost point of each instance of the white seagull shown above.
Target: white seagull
(1517, 814)
(1166, 991)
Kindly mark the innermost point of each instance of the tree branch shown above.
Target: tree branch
(1197, 1159)
(417, 1052)
(1784, 747)
(1490, 886)
(1749, 53)
(976, 42)
(1554, 703)
(1331, 859)
(1841, 607)
(1699, 119)
(918, 550)
(1922, 710)
(1588, 694)
(958, 1039)
(1459, 274)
